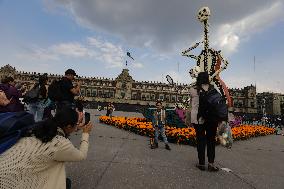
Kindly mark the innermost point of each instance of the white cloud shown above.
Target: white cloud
(167, 25)
(107, 52)
(38, 54)
(230, 35)
(96, 49)
(137, 65)
(72, 50)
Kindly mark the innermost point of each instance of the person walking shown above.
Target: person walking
(110, 109)
(159, 120)
(38, 159)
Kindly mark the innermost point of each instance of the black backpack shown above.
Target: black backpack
(212, 106)
(32, 95)
(13, 126)
(55, 91)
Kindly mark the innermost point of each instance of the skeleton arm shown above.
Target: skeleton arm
(185, 52)
(221, 69)
(191, 56)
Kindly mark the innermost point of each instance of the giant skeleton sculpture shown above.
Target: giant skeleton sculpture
(209, 59)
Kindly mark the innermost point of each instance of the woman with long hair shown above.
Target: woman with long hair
(37, 161)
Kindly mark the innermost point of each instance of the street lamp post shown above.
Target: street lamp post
(263, 110)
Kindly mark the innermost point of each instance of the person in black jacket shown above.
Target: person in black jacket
(207, 127)
(68, 90)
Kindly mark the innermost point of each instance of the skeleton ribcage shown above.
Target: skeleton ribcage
(211, 63)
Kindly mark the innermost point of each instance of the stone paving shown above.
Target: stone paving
(120, 159)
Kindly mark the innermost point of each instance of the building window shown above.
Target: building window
(167, 98)
(88, 93)
(100, 93)
(134, 96)
(83, 92)
(161, 97)
(122, 95)
(94, 93)
(148, 97)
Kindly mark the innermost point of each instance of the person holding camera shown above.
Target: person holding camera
(68, 90)
(38, 159)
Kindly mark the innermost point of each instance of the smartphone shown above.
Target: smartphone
(87, 117)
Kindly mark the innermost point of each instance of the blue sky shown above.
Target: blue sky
(93, 36)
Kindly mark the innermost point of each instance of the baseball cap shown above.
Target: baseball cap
(70, 72)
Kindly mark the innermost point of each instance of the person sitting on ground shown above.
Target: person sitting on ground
(159, 120)
(68, 90)
(38, 159)
(13, 94)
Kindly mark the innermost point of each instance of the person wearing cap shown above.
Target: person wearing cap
(68, 90)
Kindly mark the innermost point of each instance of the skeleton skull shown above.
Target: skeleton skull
(203, 14)
(194, 71)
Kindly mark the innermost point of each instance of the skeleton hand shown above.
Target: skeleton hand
(226, 63)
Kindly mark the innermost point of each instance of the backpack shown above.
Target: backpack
(212, 106)
(4, 101)
(32, 95)
(13, 126)
(54, 91)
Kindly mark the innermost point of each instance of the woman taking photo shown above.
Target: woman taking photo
(37, 161)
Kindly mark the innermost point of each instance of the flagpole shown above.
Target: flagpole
(254, 71)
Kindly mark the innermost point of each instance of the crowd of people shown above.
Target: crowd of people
(37, 159)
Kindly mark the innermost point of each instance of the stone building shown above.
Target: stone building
(270, 103)
(244, 100)
(123, 89)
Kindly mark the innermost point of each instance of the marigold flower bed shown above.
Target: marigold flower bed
(180, 135)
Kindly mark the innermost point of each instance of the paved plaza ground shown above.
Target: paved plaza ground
(120, 159)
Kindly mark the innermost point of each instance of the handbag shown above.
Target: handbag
(224, 134)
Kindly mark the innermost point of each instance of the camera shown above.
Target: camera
(87, 117)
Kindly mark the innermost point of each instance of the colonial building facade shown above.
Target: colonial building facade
(124, 89)
(244, 100)
(270, 103)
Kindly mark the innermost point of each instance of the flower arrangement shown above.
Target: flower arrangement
(180, 135)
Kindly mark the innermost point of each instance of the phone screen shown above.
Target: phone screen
(87, 117)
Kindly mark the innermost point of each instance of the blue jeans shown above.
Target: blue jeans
(37, 109)
(160, 128)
